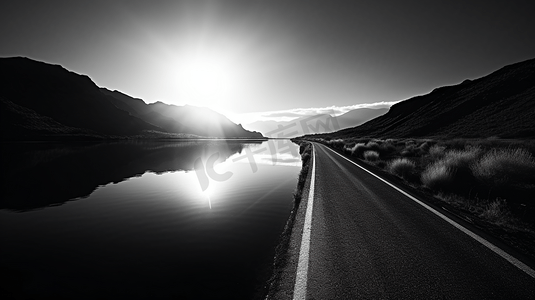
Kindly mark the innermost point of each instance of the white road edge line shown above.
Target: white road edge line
(300, 288)
(476, 237)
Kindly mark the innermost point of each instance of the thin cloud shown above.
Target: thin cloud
(291, 114)
(282, 114)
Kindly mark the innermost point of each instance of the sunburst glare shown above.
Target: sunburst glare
(205, 79)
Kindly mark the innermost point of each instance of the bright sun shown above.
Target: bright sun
(205, 80)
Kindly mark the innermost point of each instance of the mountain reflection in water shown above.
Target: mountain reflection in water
(44, 174)
(142, 226)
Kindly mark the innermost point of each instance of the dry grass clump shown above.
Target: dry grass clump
(305, 149)
(373, 145)
(337, 143)
(380, 163)
(347, 149)
(506, 168)
(424, 147)
(371, 155)
(410, 143)
(410, 150)
(416, 148)
(497, 212)
(438, 176)
(452, 173)
(402, 167)
(358, 150)
(455, 144)
(437, 151)
(462, 158)
(388, 148)
(382, 148)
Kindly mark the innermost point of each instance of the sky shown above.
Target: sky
(259, 59)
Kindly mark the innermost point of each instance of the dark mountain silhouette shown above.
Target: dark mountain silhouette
(500, 104)
(321, 123)
(68, 98)
(45, 174)
(20, 123)
(44, 101)
(180, 119)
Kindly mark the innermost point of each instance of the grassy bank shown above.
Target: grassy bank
(305, 150)
(281, 252)
(493, 180)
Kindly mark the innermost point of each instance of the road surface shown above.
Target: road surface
(369, 241)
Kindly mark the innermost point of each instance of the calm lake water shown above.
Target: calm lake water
(143, 220)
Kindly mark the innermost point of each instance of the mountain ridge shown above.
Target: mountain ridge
(68, 105)
(180, 119)
(496, 105)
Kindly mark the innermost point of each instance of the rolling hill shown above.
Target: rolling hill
(500, 104)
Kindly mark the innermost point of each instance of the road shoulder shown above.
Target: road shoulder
(282, 282)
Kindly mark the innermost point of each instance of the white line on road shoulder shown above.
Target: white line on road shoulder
(300, 288)
(517, 263)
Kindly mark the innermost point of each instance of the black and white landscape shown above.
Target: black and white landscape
(267, 150)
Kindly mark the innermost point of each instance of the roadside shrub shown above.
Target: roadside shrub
(371, 155)
(350, 144)
(438, 176)
(497, 212)
(304, 147)
(458, 144)
(410, 150)
(402, 167)
(347, 149)
(462, 158)
(373, 146)
(338, 143)
(387, 148)
(305, 157)
(505, 168)
(358, 150)
(437, 151)
(413, 150)
(381, 164)
(410, 143)
(399, 143)
(424, 147)
(361, 140)
(452, 173)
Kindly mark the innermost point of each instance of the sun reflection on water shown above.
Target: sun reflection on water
(149, 211)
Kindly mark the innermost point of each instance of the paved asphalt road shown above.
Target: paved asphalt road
(369, 241)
